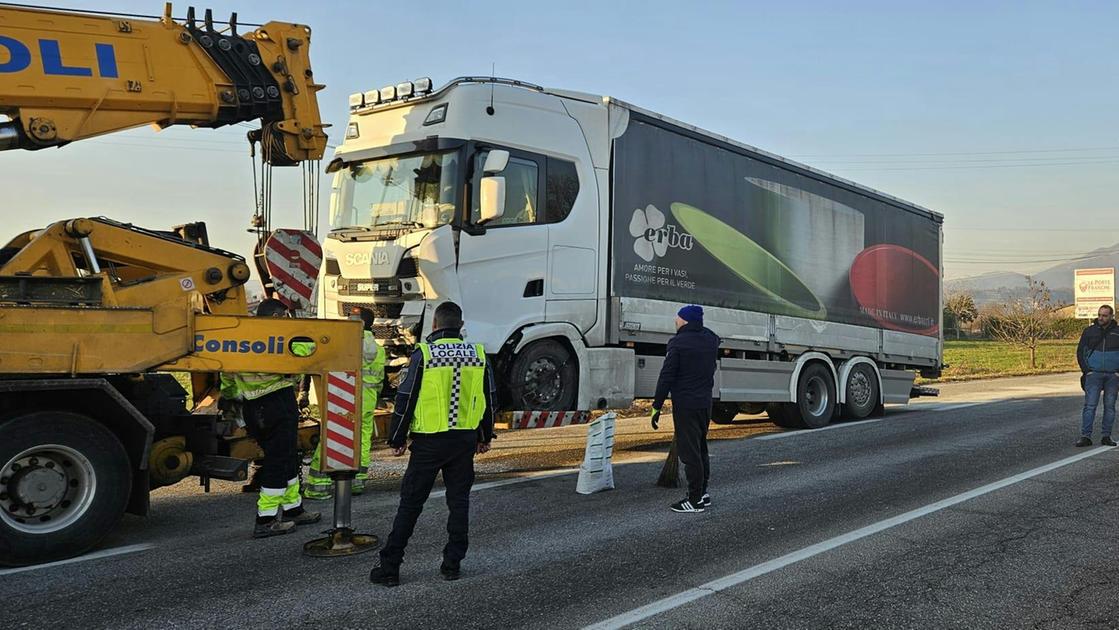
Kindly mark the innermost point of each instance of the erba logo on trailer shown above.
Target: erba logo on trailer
(19, 57)
(653, 236)
(273, 345)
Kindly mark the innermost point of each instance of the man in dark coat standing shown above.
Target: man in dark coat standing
(688, 375)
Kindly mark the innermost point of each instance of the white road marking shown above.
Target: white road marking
(927, 407)
(97, 555)
(843, 425)
(734, 579)
(533, 476)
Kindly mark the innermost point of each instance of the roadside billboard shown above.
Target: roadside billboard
(1093, 288)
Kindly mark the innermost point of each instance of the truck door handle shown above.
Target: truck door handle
(534, 288)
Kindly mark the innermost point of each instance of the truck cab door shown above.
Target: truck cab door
(502, 265)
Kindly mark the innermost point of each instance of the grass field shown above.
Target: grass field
(968, 360)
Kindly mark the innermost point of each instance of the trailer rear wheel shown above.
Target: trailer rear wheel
(544, 377)
(862, 392)
(64, 484)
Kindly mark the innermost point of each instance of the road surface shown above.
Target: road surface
(968, 511)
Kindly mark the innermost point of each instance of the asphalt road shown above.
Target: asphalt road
(969, 511)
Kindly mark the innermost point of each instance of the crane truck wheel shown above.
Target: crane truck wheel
(862, 392)
(64, 484)
(544, 377)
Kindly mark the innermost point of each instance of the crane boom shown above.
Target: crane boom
(67, 76)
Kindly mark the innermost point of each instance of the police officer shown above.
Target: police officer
(319, 484)
(272, 419)
(446, 402)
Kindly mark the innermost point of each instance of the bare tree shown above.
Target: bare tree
(960, 306)
(1025, 321)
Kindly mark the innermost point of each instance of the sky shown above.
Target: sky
(1002, 116)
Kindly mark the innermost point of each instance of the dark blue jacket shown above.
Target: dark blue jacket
(689, 368)
(1098, 350)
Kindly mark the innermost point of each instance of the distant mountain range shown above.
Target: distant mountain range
(998, 285)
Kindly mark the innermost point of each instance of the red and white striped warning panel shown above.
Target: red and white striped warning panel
(293, 258)
(548, 419)
(339, 436)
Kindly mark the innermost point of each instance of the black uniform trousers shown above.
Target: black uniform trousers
(273, 421)
(452, 453)
(690, 427)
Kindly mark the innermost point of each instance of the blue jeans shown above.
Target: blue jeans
(1094, 383)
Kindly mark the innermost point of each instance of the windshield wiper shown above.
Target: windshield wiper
(403, 223)
(347, 228)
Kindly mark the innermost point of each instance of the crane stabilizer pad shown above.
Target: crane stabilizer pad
(341, 542)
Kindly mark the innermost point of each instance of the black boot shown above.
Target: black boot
(385, 576)
(450, 572)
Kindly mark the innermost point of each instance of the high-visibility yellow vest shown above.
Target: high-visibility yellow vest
(372, 363)
(453, 389)
(253, 385)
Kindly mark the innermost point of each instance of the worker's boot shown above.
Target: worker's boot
(300, 516)
(274, 526)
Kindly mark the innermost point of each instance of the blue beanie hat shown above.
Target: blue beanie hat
(691, 313)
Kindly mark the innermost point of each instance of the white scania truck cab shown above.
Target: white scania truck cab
(571, 227)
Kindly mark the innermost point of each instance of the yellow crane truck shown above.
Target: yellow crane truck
(95, 313)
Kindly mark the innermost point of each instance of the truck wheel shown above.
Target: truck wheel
(751, 408)
(544, 377)
(784, 415)
(64, 484)
(862, 392)
(815, 403)
(723, 413)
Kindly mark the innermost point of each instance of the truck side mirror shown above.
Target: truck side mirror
(496, 161)
(491, 198)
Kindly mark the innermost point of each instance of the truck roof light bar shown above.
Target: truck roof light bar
(405, 89)
(356, 101)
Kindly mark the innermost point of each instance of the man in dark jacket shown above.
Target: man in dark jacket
(688, 375)
(1098, 356)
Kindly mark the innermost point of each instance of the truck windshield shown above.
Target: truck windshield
(408, 191)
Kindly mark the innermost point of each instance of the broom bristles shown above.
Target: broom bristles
(670, 472)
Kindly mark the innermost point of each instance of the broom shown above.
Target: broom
(670, 472)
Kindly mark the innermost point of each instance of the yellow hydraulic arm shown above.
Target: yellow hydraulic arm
(66, 76)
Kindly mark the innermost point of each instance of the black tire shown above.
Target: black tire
(723, 413)
(751, 409)
(779, 414)
(815, 403)
(544, 377)
(861, 393)
(75, 473)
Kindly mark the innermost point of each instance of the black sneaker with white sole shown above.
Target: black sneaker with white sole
(686, 506)
(705, 500)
